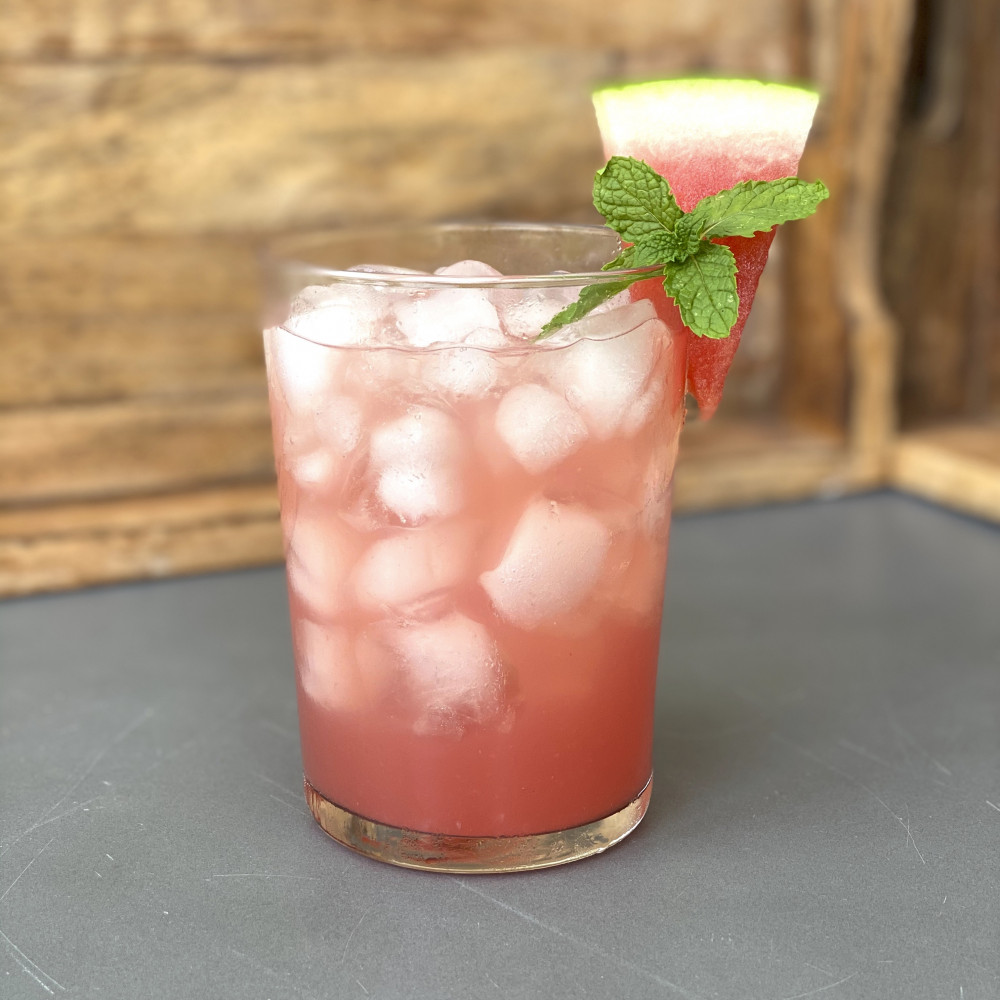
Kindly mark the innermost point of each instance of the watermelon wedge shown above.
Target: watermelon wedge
(705, 135)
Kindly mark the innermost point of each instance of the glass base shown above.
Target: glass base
(445, 853)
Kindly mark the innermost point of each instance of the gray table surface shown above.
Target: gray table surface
(825, 822)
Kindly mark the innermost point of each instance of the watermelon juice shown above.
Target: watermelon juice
(476, 528)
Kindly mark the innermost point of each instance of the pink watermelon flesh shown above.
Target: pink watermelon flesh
(705, 136)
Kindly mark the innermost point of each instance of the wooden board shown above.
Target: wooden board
(97, 359)
(61, 545)
(733, 465)
(74, 545)
(134, 447)
(151, 145)
(840, 362)
(102, 275)
(47, 29)
(941, 256)
(230, 147)
(958, 466)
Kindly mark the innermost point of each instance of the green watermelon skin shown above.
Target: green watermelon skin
(705, 136)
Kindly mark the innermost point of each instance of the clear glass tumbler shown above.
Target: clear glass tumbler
(475, 525)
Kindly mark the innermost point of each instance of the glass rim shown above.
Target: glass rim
(275, 254)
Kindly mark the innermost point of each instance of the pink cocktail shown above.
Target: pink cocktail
(476, 528)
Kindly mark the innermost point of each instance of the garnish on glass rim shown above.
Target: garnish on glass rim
(698, 274)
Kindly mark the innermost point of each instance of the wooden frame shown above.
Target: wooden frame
(183, 481)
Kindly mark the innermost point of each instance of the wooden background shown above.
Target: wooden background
(151, 146)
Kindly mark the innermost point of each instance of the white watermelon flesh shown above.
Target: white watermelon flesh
(706, 135)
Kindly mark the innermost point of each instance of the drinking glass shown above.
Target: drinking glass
(475, 521)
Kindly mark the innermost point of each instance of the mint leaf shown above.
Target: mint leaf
(756, 206)
(591, 296)
(652, 251)
(699, 274)
(634, 199)
(704, 288)
(686, 237)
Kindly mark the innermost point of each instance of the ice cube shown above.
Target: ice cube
(469, 269)
(464, 372)
(553, 558)
(657, 488)
(452, 670)
(321, 554)
(601, 379)
(423, 432)
(412, 564)
(339, 315)
(642, 410)
(538, 426)
(338, 424)
(317, 447)
(524, 311)
(316, 469)
(418, 461)
(361, 508)
(637, 591)
(328, 672)
(418, 492)
(612, 318)
(306, 373)
(447, 316)
(384, 371)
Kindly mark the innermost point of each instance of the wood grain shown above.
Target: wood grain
(73, 545)
(70, 544)
(732, 465)
(107, 275)
(133, 447)
(873, 333)
(182, 148)
(955, 465)
(942, 252)
(151, 145)
(96, 359)
(65, 29)
(840, 355)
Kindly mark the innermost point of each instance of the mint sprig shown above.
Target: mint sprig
(704, 288)
(698, 274)
(634, 199)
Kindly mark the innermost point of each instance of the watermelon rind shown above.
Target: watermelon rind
(741, 129)
(704, 135)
